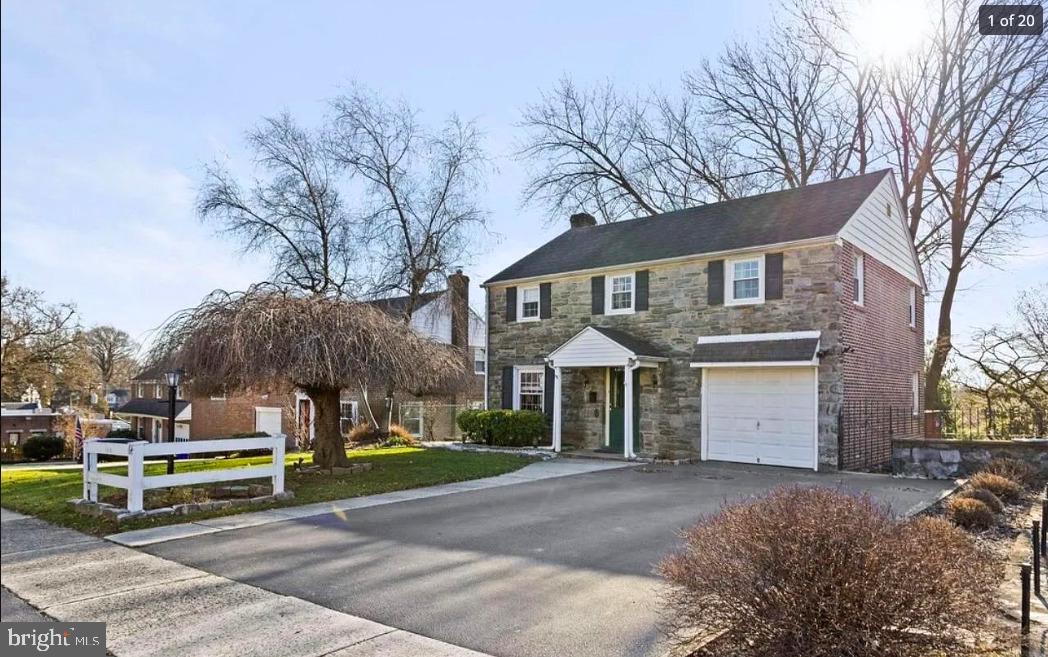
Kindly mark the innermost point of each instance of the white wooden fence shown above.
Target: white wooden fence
(135, 482)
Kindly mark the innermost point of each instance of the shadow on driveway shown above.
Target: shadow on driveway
(559, 567)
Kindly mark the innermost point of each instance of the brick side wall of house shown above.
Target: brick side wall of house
(221, 418)
(884, 350)
(14, 429)
(678, 314)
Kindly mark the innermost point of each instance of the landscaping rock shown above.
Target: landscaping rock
(240, 491)
(162, 511)
(129, 515)
(262, 499)
(258, 489)
(221, 504)
(286, 495)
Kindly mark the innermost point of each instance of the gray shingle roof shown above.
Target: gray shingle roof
(818, 210)
(756, 351)
(396, 306)
(151, 407)
(637, 345)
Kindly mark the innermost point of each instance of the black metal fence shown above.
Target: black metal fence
(865, 431)
(980, 422)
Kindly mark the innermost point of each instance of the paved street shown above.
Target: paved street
(554, 567)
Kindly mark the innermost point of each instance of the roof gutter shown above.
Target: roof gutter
(811, 241)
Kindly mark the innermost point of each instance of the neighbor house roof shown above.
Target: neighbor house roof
(804, 213)
(398, 305)
(151, 407)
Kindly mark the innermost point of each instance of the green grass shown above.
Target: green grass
(44, 493)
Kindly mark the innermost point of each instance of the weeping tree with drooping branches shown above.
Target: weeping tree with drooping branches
(270, 338)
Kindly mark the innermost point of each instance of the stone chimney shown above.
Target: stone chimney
(582, 219)
(458, 290)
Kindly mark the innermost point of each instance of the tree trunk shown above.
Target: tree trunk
(328, 448)
(943, 340)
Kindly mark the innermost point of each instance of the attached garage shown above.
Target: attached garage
(760, 398)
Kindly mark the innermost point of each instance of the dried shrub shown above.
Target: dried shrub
(363, 433)
(1018, 471)
(969, 513)
(984, 496)
(814, 572)
(1007, 490)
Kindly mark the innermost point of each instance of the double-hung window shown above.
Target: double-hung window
(347, 416)
(528, 311)
(480, 360)
(859, 280)
(745, 281)
(530, 389)
(620, 294)
(913, 307)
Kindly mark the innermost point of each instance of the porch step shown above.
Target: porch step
(594, 455)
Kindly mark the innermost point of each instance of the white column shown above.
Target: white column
(135, 475)
(90, 468)
(556, 409)
(627, 406)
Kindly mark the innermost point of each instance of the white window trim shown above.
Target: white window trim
(913, 307)
(608, 278)
(915, 384)
(729, 281)
(520, 304)
(859, 276)
(480, 355)
(520, 369)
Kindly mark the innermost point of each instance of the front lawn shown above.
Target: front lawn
(45, 493)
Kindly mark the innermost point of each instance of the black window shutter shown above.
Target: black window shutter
(545, 303)
(773, 276)
(715, 282)
(641, 279)
(547, 393)
(511, 304)
(597, 294)
(507, 387)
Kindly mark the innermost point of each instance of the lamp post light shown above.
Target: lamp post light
(174, 379)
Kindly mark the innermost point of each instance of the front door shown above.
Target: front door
(616, 410)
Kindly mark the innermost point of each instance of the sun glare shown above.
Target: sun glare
(889, 30)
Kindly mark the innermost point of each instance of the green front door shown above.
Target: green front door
(617, 410)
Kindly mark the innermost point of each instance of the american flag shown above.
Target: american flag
(78, 437)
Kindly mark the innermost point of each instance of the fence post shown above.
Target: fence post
(1044, 525)
(90, 468)
(278, 464)
(135, 476)
(1024, 625)
(1035, 535)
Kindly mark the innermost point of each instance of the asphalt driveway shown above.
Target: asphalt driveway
(559, 567)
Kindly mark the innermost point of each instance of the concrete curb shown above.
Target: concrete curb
(533, 472)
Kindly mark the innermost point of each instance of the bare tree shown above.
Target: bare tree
(267, 338)
(1014, 358)
(112, 353)
(37, 339)
(421, 215)
(296, 214)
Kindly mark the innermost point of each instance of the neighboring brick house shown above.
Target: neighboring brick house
(148, 409)
(291, 412)
(733, 331)
(20, 420)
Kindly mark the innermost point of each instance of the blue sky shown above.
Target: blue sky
(111, 110)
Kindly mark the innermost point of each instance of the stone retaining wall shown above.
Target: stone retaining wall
(949, 459)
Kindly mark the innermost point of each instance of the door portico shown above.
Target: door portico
(614, 350)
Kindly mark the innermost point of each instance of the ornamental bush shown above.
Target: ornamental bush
(43, 446)
(1007, 490)
(969, 513)
(503, 427)
(1018, 471)
(984, 496)
(815, 572)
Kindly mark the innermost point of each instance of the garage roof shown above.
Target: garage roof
(799, 348)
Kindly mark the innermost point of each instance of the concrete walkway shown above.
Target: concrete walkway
(152, 606)
(533, 472)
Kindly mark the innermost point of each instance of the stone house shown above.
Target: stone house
(733, 331)
(443, 315)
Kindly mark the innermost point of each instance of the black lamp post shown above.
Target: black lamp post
(174, 379)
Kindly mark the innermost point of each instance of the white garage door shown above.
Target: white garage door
(268, 420)
(764, 415)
